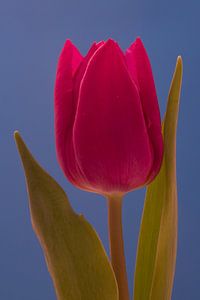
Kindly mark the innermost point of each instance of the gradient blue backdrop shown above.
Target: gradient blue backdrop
(32, 34)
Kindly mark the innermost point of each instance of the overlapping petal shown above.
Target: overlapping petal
(110, 138)
(141, 72)
(69, 61)
(81, 70)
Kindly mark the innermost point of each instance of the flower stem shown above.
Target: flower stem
(117, 244)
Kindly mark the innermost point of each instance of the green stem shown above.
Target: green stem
(117, 245)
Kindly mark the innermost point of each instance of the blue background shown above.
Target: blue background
(32, 35)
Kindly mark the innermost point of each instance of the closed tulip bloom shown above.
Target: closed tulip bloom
(107, 119)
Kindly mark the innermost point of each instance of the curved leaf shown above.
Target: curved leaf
(156, 255)
(74, 254)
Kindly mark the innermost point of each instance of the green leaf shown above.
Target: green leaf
(75, 256)
(156, 254)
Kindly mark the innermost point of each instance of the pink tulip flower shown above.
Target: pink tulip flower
(107, 119)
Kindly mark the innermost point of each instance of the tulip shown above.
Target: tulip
(107, 119)
(108, 129)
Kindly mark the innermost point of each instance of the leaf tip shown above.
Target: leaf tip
(17, 138)
(179, 58)
(16, 134)
(22, 148)
(179, 63)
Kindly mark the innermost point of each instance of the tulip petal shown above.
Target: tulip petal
(81, 70)
(71, 68)
(76, 259)
(110, 138)
(140, 69)
(156, 254)
(68, 63)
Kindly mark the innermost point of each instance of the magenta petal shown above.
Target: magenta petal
(81, 70)
(69, 61)
(140, 69)
(110, 138)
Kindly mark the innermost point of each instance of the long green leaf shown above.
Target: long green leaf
(156, 254)
(74, 254)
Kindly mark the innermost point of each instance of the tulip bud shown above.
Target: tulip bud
(107, 119)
